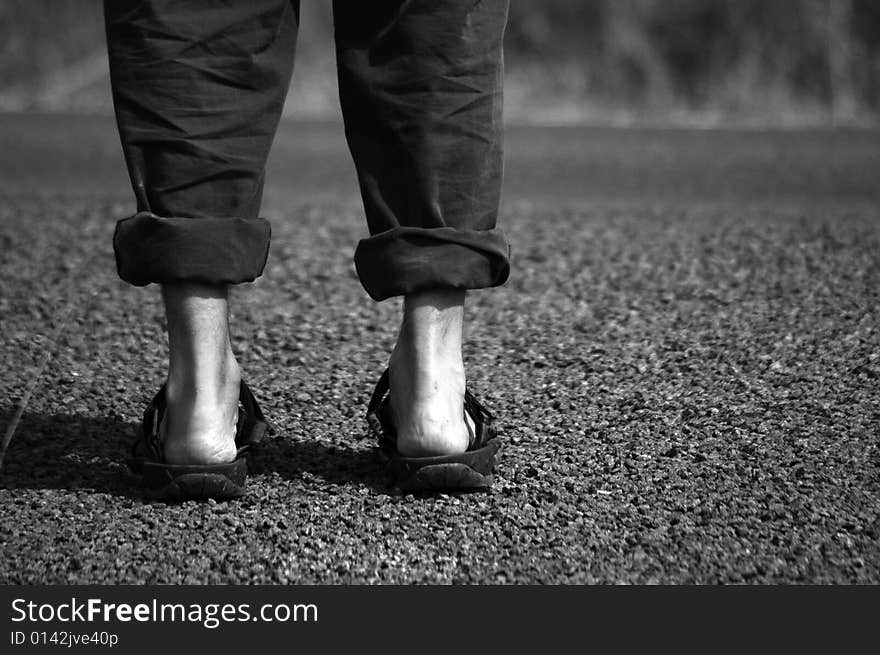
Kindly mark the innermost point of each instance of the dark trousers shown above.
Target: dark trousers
(198, 87)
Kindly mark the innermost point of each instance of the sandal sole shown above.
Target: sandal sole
(471, 470)
(445, 477)
(182, 482)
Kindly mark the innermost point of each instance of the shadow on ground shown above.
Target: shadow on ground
(63, 451)
(72, 452)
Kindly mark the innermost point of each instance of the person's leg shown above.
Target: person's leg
(203, 375)
(427, 378)
(198, 89)
(421, 92)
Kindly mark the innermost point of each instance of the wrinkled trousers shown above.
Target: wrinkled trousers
(198, 89)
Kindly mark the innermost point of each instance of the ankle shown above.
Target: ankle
(435, 310)
(201, 362)
(432, 326)
(199, 384)
(422, 376)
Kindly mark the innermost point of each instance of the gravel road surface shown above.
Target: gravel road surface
(685, 365)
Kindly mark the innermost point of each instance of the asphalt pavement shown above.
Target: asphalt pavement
(685, 366)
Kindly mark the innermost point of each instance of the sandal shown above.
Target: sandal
(469, 470)
(175, 482)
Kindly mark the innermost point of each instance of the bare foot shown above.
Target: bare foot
(427, 379)
(203, 377)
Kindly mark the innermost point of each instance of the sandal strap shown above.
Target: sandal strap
(254, 426)
(149, 440)
(377, 410)
(382, 388)
(484, 420)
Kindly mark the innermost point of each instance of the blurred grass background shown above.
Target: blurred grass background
(692, 62)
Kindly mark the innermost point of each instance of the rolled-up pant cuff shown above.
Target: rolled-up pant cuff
(152, 248)
(405, 260)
